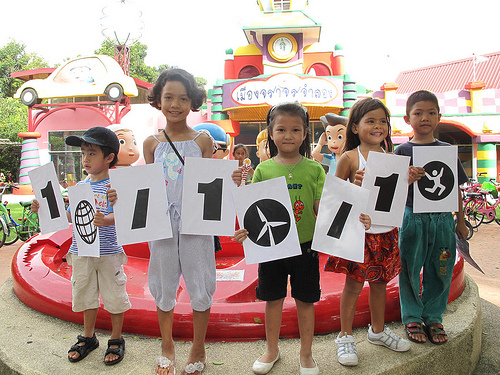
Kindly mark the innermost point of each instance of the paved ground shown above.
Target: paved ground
(483, 248)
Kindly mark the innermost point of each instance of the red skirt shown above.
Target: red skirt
(381, 263)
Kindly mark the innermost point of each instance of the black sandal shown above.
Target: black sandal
(90, 343)
(433, 330)
(120, 351)
(414, 328)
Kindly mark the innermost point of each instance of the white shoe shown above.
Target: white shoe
(347, 354)
(388, 339)
(309, 370)
(262, 368)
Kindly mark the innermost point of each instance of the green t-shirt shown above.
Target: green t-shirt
(304, 188)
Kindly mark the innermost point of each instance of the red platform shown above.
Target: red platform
(42, 282)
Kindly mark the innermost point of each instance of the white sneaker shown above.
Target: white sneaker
(388, 339)
(346, 350)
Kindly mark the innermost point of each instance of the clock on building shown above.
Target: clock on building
(282, 47)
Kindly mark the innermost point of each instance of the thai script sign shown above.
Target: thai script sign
(285, 87)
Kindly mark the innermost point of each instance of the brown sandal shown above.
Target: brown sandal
(435, 329)
(415, 328)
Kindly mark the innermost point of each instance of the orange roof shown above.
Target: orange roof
(452, 75)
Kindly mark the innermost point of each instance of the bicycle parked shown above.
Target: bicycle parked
(13, 230)
(481, 202)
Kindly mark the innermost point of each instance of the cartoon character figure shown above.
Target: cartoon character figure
(221, 139)
(170, 165)
(262, 146)
(298, 208)
(129, 151)
(334, 135)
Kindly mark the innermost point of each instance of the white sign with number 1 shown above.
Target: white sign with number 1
(141, 211)
(338, 230)
(52, 213)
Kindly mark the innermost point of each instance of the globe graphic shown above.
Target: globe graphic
(84, 216)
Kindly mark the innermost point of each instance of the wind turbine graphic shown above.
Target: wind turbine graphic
(268, 225)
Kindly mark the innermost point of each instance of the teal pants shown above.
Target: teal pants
(426, 241)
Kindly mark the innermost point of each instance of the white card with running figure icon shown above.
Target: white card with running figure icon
(265, 211)
(338, 230)
(52, 213)
(386, 176)
(82, 204)
(437, 191)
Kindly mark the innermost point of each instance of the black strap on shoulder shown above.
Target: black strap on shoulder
(174, 148)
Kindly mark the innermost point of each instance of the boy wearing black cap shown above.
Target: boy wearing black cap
(103, 275)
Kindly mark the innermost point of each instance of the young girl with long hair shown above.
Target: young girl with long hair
(368, 130)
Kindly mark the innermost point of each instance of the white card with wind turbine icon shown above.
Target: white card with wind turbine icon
(265, 210)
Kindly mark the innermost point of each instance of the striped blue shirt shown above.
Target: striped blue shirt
(107, 234)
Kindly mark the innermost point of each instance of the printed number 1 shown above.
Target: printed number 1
(212, 203)
(386, 193)
(339, 221)
(48, 193)
(141, 209)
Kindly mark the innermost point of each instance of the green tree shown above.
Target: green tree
(138, 67)
(13, 118)
(14, 58)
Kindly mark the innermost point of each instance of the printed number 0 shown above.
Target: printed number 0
(48, 193)
(212, 203)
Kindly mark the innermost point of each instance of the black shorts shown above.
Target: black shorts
(304, 277)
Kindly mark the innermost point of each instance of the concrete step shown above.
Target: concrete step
(33, 343)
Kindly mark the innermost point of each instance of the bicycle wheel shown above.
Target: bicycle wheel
(488, 218)
(30, 226)
(3, 230)
(471, 214)
(11, 234)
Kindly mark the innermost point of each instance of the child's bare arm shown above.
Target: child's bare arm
(343, 170)
(316, 207)
(240, 235)
(35, 206)
(461, 230)
(101, 220)
(236, 176)
(366, 220)
(358, 177)
(112, 195)
(415, 174)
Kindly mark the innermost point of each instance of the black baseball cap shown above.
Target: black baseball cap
(97, 135)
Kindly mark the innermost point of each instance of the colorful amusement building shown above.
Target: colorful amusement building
(284, 61)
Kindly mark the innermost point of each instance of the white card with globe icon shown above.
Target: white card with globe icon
(437, 191)
(265, 210)
(82, 207)
(52, 213)
(338, 230)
